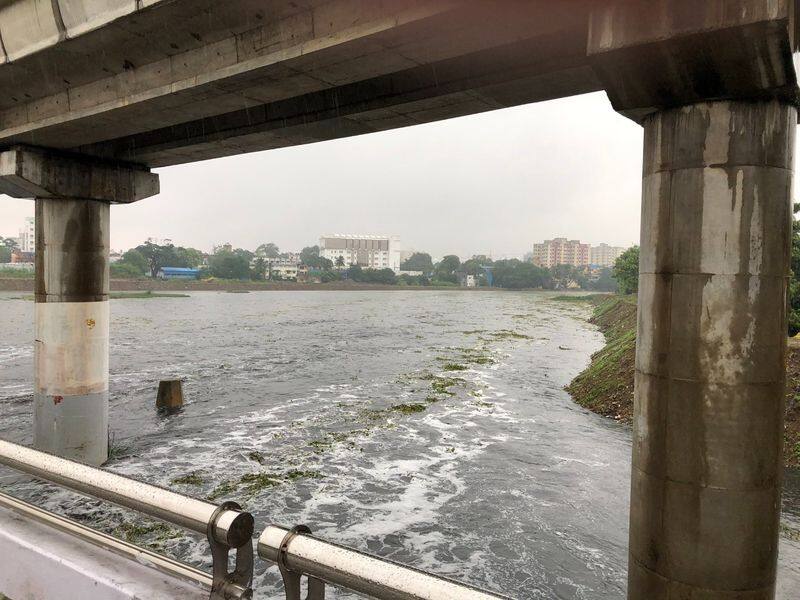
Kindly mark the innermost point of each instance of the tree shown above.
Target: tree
(309, 253)
(259, 271)
(339, 262)
(355, 273)
(626, 271)
(158, 256)
(604, 282)
(136, 260)
(445, 269)
(227, 264)
(566, 276)
(189, 258)
(516, 275)
(5, 254)
(419, 261)
(125, 270)
(385, 276)
(9, 243)
(310, 257)
(268, 250)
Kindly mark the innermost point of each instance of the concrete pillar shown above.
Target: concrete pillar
(73, 195)
(710, 358)
(71, 346)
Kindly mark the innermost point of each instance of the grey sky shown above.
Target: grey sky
(495, 182)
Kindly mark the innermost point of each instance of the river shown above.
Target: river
(430, 427)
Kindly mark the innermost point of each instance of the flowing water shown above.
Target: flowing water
(430, 427)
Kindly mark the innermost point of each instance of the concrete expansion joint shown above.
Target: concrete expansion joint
(772, 484)
(766, 588)
(724, 382)
(669, 274)
(721, 166)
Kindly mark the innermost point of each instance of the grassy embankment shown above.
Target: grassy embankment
(606, 385)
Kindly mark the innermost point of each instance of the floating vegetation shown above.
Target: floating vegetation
(408, 409)
(450, 366)
(151, 535)
(442, 385)
(474, 332)
(225, 488)
(482, 404)
(253, 483)
(118, 451)
(343, 437)
(256, 456)
(189, 479)
(507, 334)
(790, 533)
(296, 474)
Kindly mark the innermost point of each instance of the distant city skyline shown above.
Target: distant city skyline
(489, 183)
(27, 244)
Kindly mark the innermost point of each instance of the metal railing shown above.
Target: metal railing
(295, 551)
(226, 526)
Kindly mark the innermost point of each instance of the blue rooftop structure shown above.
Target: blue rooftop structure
(177, 273)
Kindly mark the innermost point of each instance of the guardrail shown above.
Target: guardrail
(226, 526)
(295, 551)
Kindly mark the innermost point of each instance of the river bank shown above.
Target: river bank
(606, 385)
(20, 284)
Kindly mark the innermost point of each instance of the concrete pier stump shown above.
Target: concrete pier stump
(170, 394)
(710, 358)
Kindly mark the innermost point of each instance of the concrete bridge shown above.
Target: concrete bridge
(94, 93)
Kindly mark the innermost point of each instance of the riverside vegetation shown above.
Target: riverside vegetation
(606, 385)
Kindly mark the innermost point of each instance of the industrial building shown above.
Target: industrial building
(366, 251)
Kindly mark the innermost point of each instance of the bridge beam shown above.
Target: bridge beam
(715, 88)
(73, 198)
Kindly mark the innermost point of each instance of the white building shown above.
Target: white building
(366, 251)
(27, 235)
(286, 271)
(287, 259)
(604, 255)
(467, 280)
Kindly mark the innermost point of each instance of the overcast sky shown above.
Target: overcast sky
(490, 183)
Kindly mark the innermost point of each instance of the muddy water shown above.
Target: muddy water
(428, 427)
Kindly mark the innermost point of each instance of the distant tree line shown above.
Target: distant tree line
(147, 259)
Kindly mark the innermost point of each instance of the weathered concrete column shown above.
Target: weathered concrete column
(73, 197)
(714, 85)
(710, 360)
(71, 345)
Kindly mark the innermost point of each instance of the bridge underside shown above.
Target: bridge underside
(93, 93)
(184, 81)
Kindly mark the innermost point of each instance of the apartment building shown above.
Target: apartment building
(561, 251)
(604, 255)
(27, 235)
